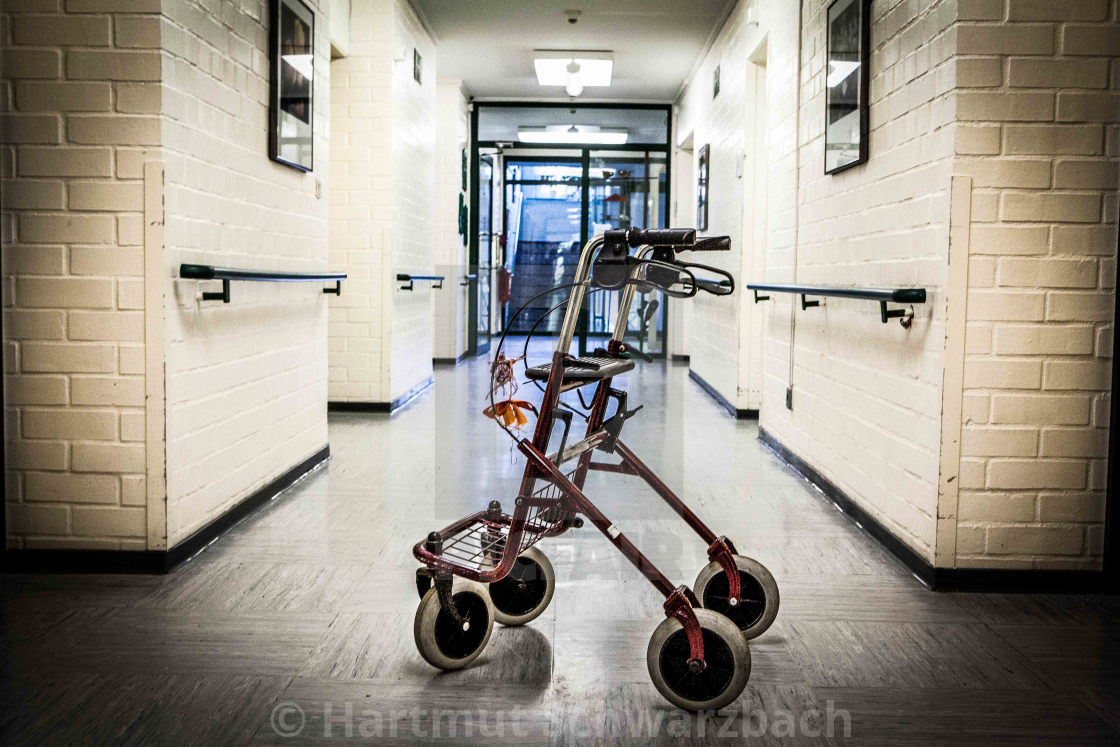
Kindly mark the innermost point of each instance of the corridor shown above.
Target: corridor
(302, 614)
(816, 441)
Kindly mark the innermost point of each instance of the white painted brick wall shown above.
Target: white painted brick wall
(713, 331)
(361, 211)
(449, 250)
(76, 96)
(246, 381)
(866, 396)
(414, 178)
(1018, 98)
(382, 205)
(1038, 136)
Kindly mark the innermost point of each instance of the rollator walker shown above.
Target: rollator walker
(486, 566)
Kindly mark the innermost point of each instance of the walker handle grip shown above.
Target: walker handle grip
(661, 236)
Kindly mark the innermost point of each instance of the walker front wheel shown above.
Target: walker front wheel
(445, 643)
(726, 669)
(758, 603)
(524, 593)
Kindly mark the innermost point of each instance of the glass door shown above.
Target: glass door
(626, 189)
(543, 203)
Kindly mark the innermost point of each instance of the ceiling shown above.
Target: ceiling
(488, 44)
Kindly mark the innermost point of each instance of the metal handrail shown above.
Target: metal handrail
(882, 295)
(226, 274)
(435, 280)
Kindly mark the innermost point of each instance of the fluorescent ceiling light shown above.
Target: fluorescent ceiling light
(841, 69)
(574, 70)
(572, 134)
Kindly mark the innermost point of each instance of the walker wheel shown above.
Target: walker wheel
(727, 663)
(758, 606)
(524, 593)
(444, 643)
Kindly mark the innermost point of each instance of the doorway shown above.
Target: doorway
(555, 195)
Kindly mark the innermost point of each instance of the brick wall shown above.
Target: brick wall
(246, 381)
(361, 206)
(713, 331)
(867, 401)
(383, 159)
(979, 436)
(414, 176)
(80, 104)
(1039, 108)
(449, 251)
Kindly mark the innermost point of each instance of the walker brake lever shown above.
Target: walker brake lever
(629, 350)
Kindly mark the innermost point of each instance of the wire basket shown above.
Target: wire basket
(481, 545)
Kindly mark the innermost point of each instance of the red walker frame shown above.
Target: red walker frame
(551, 510)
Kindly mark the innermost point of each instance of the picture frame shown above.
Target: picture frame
(846, 82)
(715, 82)
(417, 66)
(703, 171)
(291, 134)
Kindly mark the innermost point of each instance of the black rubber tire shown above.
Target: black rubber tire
(525, 592)
(758, 607)
(443, 643)
(728, 663)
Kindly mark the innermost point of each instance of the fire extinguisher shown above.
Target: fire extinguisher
(503, 285)
(503, 274)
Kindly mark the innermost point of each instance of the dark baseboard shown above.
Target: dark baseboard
(157, 561)
(721, 400)
(86, 561)
(938, 579)
(451, 361)
(382, 407)
(1012, 580)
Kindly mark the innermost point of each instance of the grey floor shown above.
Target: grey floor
(296, 626)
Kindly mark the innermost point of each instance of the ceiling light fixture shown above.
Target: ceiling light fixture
(559, 134)
(574, 70)
(574, 86)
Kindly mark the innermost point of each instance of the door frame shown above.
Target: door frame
(473, 346)
(665, 148)
(1111, 559)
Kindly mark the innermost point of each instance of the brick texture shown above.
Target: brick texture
(246, 381)
(382, 206)
(866, 396)
(69, 380)
(1052, 240)
(1017, 99)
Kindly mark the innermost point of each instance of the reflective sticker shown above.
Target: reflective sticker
(613, 531)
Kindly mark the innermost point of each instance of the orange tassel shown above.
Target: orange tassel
(510, 412)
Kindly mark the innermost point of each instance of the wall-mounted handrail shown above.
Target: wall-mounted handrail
(435, 280)
(468, 279)
(882, 295)
(226, 274)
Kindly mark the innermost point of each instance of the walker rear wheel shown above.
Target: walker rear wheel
(758, 603)
(524, 593)
(727, 663)
(445, 643)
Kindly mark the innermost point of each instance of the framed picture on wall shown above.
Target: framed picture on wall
(702, 171)
(292, 100)
(845, 135)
